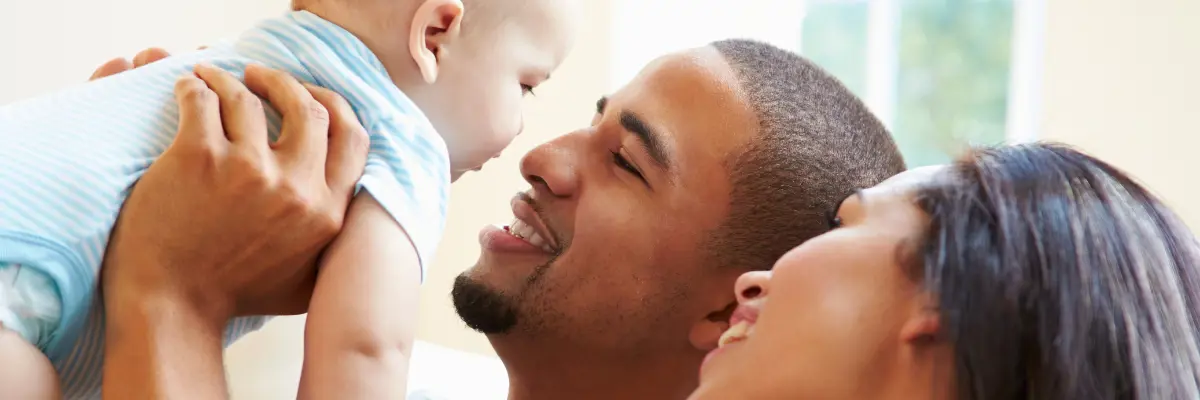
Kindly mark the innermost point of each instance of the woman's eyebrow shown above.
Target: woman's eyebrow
(858, 195)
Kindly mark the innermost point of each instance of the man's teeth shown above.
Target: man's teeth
(735, 333)
(524, 231)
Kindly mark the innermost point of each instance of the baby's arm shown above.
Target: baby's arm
(363, 313)
(25, 373)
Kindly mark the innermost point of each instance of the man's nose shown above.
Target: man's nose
(552, 166)
(752, 285)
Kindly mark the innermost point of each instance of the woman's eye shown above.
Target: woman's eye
(624, 164)
(526, 89)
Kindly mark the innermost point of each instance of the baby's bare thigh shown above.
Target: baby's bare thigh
(25, 372)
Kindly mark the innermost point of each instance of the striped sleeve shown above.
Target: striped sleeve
(408, 167)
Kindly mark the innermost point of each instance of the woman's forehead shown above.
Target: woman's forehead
(911, 178)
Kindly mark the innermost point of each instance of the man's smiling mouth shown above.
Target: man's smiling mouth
(527, 225)
(525, 232)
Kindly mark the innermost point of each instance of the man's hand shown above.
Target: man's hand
(224, 223)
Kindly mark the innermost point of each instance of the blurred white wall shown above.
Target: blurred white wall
(49, 44)
(1119, 80)
(1122, 80)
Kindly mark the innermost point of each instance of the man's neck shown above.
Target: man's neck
(540, 370)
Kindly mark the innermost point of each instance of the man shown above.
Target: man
(712, 162)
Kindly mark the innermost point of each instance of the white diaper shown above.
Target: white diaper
(29, 303)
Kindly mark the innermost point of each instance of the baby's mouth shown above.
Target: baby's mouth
(736, 333)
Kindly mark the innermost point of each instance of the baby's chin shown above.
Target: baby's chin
(458, 173)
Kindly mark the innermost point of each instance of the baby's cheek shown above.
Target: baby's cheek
(505, 129)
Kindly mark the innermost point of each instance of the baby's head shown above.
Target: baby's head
(467, 63)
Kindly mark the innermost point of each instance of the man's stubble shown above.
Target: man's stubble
(491, 311)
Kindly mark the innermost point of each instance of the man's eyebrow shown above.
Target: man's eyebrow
(651, 140)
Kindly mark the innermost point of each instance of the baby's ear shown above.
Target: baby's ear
(435, 25)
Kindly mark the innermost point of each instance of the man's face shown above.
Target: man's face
(608, 248)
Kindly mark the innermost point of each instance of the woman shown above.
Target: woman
(1025, 272)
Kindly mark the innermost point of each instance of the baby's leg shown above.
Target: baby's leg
(29, 309)
(25, 373)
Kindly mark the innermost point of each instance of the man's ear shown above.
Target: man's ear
(435, 24)
(707, 331)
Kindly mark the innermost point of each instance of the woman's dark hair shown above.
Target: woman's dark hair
(1059, 277)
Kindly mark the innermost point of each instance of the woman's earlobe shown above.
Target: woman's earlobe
(924, 326)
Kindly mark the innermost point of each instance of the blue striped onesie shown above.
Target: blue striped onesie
(69, 159)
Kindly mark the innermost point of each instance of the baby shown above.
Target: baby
(438, 84)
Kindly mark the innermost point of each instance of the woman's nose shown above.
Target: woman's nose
(752, 286)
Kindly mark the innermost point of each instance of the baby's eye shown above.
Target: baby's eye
(526, 89)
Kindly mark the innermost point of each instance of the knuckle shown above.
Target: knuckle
(194, 92)
(297, 201)
(315, 111)
(245, 100)
(337, 100)
(201, 154)
(358, 138)
(250, 169)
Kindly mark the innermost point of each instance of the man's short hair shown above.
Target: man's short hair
(816, 144)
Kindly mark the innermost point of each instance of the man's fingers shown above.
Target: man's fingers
(112, 67)
(241, 110)
(199, 113)
(348, 142)
(148, 56)
(305, 121)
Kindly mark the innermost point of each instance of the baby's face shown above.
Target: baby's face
(480, 87)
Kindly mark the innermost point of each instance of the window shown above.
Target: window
(941, 74)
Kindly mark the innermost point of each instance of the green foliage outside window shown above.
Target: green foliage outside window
(954, 61)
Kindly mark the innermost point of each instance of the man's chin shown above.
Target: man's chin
(504, 272)
(483, 308)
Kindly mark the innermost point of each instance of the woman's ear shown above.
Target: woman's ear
(707, 331)
(435, 25)
(924, 323)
